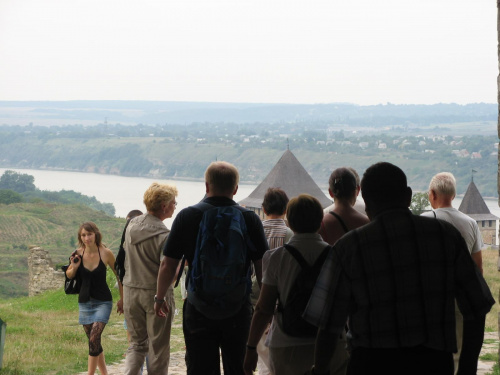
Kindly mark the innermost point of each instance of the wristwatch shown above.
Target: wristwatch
(159, 300)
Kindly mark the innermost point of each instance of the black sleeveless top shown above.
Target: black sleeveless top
(94, 283)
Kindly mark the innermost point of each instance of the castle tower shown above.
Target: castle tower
(288, 174)
(474, 206)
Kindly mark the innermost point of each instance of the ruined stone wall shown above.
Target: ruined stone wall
(489, 236)
(42, 275)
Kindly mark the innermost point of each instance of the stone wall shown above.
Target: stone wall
(489, 236)
(42, 275)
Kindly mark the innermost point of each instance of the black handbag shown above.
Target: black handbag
(71, 286)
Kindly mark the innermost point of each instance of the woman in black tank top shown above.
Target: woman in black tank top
(89, 262)
(344, 189)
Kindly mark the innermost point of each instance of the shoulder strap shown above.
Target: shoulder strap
(340, 221)
(297, 255)
(323, 255)
(123, 233)
(434, 212)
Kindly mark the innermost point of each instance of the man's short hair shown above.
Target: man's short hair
(304, 214)
(444, 183)
(222, 177)
(384, 184)
(275, 201)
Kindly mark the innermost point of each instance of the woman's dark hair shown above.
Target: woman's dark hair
(90, 227)
(275, 201)
(342, 183)
(304, 214)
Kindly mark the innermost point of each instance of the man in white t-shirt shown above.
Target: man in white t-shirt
(442, 191)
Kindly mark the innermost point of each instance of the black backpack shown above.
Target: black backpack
(120, 257)
(300, 293)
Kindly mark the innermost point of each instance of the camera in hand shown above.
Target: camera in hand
(76, 259)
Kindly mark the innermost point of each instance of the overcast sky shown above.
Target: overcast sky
(279, 51)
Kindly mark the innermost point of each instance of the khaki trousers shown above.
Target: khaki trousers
(149, 334)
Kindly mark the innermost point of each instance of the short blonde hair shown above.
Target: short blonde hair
(222, 177)
(444, 183)
(157, 194)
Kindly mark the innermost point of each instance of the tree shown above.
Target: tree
(9, 197)
(19, 182)
(419, 202)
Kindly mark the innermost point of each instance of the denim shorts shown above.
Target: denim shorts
(94, 311)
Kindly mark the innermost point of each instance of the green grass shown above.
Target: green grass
(43, 335)
(496, 370)
(489, 357)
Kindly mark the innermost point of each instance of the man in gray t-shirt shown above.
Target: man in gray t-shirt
(442, 191)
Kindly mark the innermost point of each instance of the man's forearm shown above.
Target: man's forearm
(166, 275)
(478, 259)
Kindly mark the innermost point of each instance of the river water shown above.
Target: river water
(126, 192)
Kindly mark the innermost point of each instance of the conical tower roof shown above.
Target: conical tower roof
(474, 206)
(289, 175)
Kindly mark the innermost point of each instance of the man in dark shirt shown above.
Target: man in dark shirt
(395, 281)
(204, 336)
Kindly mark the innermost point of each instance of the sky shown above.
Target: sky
(259, 51)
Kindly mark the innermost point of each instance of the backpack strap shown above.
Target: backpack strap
(340, 221)
(297, 255)
(303, 264)
(123, 234)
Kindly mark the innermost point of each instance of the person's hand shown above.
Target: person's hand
(161, 309)
(250, 363)
(75, 260)
(119, 307)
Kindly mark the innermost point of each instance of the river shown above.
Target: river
(126, 192)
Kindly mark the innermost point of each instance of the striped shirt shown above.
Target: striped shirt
(276, 231)
(396, 279)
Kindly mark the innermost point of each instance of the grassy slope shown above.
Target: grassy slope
(43, 335)
(50, 226)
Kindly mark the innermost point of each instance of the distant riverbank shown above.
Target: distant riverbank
(126, 192)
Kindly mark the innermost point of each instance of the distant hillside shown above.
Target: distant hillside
(51, 226)
(184, 113)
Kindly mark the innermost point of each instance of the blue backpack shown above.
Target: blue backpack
(219, 279)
